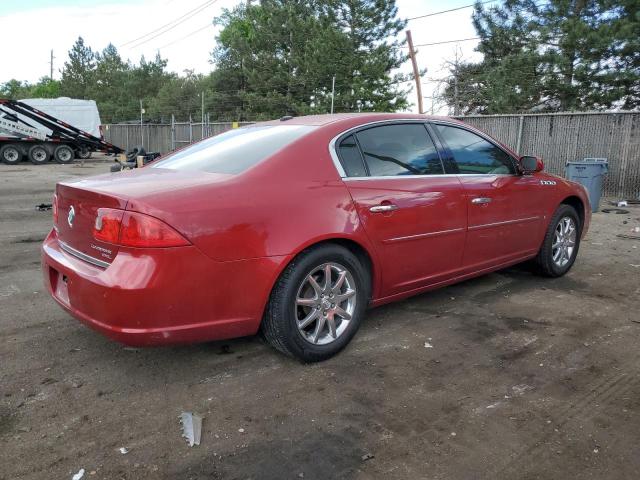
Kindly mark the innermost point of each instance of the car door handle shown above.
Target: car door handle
(481, 200)
(383, 208)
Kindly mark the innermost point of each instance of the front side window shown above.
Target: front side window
(402, 149)
(473, 154)
(234, 151)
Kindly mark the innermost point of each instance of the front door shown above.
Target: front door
(415, 215)
(504, 216)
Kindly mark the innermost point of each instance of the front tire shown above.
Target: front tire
(561, 242)
(317, 304)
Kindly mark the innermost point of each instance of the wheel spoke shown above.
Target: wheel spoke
(338, 285)
(344, 296)
(305, 322)
(319, 326)
(314, 284)
(331, 321)
(340, 312)
(327, 278)
(557, 254)
(306, 302)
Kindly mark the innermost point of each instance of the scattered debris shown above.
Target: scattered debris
(453, 434)
(44, 207)
(191, 427)
(367, 456)
(635, 321)
(78, 475)
(428, 344)
(634, 265)
(241, 430)
(124, 450)
(628, 237)
(622, 203)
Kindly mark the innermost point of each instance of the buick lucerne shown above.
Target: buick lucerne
(294, 227)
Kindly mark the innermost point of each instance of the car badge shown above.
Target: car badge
(71, 216)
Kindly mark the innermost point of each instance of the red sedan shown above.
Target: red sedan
(294, 227)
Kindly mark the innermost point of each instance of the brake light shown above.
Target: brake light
(54, 209)
(134, 229)
(107, 225)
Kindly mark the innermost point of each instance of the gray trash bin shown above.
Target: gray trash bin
(590, 173)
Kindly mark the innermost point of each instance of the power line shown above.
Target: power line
(172, 24)
(186, 36)
(441, 43)
(450, 10)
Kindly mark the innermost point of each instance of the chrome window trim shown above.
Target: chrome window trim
(336, 160)
(444, 175)
(82, 256)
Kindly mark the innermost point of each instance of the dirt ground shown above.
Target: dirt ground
(505, 376)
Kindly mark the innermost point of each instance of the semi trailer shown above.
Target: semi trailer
(29, 132)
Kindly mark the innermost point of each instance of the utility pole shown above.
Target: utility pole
(333, 91)
(51, 65)
(416, 72)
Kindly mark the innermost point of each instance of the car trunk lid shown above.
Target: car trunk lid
(77, 212)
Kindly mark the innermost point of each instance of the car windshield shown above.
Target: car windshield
(234, 151)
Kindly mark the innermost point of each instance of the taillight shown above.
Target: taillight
(54, 209)
(134, 229)
(107, 225)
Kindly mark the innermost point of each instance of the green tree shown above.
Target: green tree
(279, 57)
(78, 72)
(559, 55)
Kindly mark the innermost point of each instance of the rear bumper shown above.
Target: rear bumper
(160, 296)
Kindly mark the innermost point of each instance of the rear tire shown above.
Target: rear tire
(38, 154)
(310, 319)
(11, 154)
(561, 242)
(63, 154)
(83, 153)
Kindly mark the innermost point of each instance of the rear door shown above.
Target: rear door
(414, 214)
(504, 214)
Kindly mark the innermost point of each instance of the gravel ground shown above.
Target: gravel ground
(505, 376)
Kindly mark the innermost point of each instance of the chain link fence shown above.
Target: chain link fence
(557, 138)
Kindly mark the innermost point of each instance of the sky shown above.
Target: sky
(189, 44)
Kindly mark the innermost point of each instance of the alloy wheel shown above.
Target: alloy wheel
(564, 241)
(325, 303)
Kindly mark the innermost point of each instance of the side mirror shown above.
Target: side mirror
(530, 164)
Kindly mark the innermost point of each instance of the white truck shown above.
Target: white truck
(41, 129)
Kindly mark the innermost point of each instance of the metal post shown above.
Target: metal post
(416, 72)
(333, 91)
(141, 132)
(173, 132)
(190, 130)
(51, 65)
(202, 115)
(519, 139)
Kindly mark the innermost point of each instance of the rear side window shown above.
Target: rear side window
(402, 149)
(474, 154)
(236, 150)
(351, 158)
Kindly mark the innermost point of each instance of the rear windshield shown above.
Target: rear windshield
(234, 151)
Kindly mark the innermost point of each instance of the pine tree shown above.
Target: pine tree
(77, 73)
(279, 57)
(555, 56)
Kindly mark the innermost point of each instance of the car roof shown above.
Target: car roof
(350, 118)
